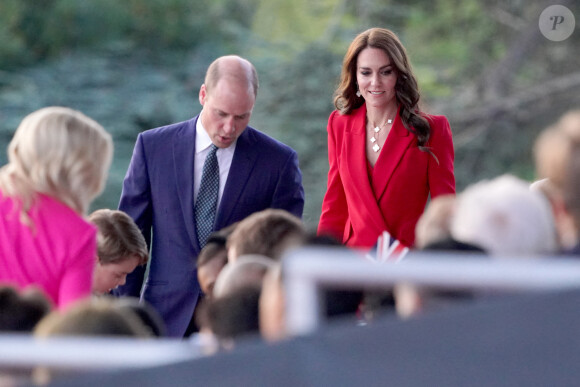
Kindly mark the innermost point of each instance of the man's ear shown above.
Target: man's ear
(202, 94)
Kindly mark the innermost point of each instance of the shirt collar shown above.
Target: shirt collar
(202, 140)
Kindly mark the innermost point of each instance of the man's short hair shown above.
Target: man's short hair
(248, 74)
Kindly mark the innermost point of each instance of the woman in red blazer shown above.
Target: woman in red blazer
(385, 155)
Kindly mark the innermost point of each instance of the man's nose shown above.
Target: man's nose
(229, 126)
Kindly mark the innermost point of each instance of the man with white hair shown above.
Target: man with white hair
(504, 217)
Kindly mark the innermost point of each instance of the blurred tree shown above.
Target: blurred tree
(293, 106)
(136, 64)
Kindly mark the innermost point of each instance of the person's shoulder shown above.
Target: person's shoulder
(338, 118)
(436, 121)
(351, 115)
(60, 216)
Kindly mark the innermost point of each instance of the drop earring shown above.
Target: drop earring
(358, 94)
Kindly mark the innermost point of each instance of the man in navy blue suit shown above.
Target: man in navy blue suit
(164, 177)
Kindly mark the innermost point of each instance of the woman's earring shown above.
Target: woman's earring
(358, 93)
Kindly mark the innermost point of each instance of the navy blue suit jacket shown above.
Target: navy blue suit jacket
(158, 195)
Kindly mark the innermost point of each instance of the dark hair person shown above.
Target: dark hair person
(386, 156)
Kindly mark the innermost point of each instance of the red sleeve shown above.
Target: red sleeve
(77, 280)
(334, 206)
(441, 176)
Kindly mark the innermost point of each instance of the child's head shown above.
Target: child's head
(270, 232)
(120, 249)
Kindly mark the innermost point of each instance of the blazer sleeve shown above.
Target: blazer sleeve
(77, 277)
(440, 173)
(334, 207)
(289, 192)
(136, 202)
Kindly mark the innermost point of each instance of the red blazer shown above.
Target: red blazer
(357, 209)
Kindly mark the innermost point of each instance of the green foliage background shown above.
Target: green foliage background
(137, 64)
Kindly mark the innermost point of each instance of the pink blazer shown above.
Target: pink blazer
(57, 255)
(358, 208)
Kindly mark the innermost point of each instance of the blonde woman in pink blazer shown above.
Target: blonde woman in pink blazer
(58, 163)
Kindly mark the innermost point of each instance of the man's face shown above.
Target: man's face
(227, 109)
(108, 276)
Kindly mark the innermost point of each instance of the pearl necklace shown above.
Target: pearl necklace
(376, 131)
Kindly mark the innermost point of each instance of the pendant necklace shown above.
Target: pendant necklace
(376, 131)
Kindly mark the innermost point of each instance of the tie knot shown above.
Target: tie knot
(213, 149)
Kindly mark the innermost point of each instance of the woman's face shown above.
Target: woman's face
(108, 276)
(376, 77)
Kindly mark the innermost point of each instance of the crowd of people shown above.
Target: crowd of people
(210, 206)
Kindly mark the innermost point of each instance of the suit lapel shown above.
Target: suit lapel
(183, 163)
(242, 164)
(397, 143)
(356, 163)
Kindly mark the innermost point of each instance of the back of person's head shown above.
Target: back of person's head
(118, 237)
(235, 315)
(246, 271)
(434, 224)
(504, 217)
(556, 154)
(20, 311)
(213, 249)
(270, 232)
(212, 258)
(216, 243)
(150, 318)
(92, 317)
(59, 152)
(272, 306)
(97, 317)
(553, 148)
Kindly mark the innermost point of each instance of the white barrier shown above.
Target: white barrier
(24, 351)
(306, 271)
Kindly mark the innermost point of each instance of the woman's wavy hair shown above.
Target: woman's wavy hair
(406, 88)
(59, 152)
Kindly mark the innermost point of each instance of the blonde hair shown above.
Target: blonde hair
(554, 148)
(118, 237)
(504, 217)
(59, 152)
(92, 317)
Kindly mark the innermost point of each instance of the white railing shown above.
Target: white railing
(24, 351)
(306, 271)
